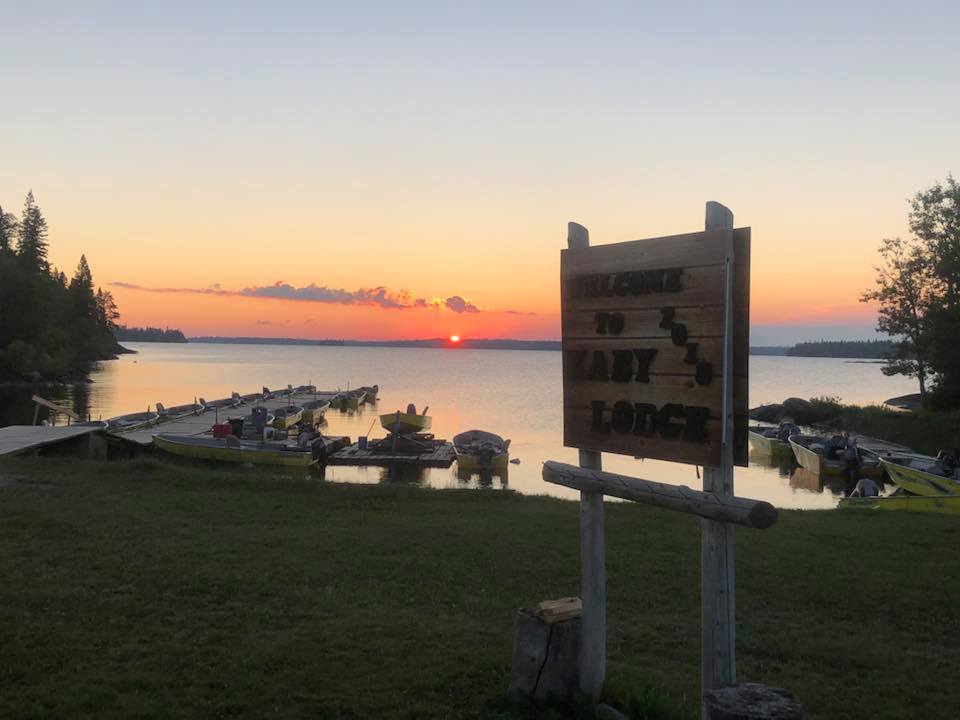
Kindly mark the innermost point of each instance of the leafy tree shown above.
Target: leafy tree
(935, 220)
(906, 292)
(32, 249)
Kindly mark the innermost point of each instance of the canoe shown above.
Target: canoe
(405, 423)
(479, 451)
(807, 449)
(287, 417)
(132, 421)
(314, 411)
(179, 411)
(911, 474)
(946, 504)
(234, 450)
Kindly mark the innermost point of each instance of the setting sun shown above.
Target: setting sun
(454, 338)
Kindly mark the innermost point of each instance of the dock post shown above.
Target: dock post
(593, 572)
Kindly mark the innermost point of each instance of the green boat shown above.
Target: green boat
(920, 475)
(233, 449)
(808, 450)
(314, 411)
(772, 441)
(287, 417)
(944, 504)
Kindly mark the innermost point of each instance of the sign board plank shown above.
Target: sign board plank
(643, 325)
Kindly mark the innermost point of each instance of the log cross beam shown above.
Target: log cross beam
(756, 514)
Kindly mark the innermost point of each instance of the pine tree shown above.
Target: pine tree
(32, 250)
(8, 230)
(81, 290)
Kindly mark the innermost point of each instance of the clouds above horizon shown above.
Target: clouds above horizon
(378, 296)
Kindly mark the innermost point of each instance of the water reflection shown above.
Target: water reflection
(482, 479)
(403, 475)
(783, 463)
(516, 394)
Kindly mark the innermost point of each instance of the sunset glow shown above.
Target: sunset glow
(448, 185)
(454, 339)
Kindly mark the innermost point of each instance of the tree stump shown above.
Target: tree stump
(546, 657)
(750, 701)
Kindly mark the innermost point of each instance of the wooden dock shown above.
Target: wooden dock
(86, 441)
(440, 456)
(202, 423)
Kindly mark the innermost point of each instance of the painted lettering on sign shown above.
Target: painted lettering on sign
(643, 345)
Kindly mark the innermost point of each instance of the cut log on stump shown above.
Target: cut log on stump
(546, 654)
(750, 701)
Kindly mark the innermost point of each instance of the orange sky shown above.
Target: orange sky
(441, 150)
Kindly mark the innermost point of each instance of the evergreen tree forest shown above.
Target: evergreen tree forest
(51, 326)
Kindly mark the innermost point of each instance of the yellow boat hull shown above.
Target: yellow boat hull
(769, 446)
(473, 463)
(406, 422)
(918, 482)
(223, 453)
(944, 504)
(284, 422)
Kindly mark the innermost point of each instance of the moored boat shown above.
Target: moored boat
(287, 417)
(354, 399)
(808, 450)
(305, 389)
(479, 451)
(252, 398)
(919, 475)
(773, 441)
(179, 411)
(370, 393)
(406, 423)
(231, 401)
(946, 504)
(233, 449)
(314, 411)
(132, 421)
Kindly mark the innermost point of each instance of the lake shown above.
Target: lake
(514, 393)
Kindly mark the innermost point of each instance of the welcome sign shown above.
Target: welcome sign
(643, 345)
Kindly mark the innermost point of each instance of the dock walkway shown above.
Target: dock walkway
(202, 423)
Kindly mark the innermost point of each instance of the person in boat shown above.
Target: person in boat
(851, 456)
(833, 446)
(866, 487)
(786, 430)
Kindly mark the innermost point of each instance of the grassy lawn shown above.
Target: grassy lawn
(148, 589)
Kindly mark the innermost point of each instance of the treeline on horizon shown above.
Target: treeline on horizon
(51, 327)
(863, 349)
(148, 334)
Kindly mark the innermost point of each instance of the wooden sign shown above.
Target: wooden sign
(644, 332)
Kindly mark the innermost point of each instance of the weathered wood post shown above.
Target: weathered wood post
(593, 573)
(718, 600)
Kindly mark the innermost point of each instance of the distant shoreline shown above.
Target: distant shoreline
(798, 350)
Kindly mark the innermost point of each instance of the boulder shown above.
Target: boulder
(767, 413)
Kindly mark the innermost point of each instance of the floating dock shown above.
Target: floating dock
(441, 455)
(202, 423)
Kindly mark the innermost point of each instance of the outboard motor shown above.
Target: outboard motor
(258, 416)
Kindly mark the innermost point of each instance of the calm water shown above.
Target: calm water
(516, 394)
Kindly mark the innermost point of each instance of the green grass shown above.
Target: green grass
(148, 589)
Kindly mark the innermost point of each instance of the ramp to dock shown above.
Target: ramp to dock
(16, 439)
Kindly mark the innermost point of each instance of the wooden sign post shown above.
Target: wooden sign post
(655, 352)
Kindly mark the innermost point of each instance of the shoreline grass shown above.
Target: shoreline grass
(152, 589)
